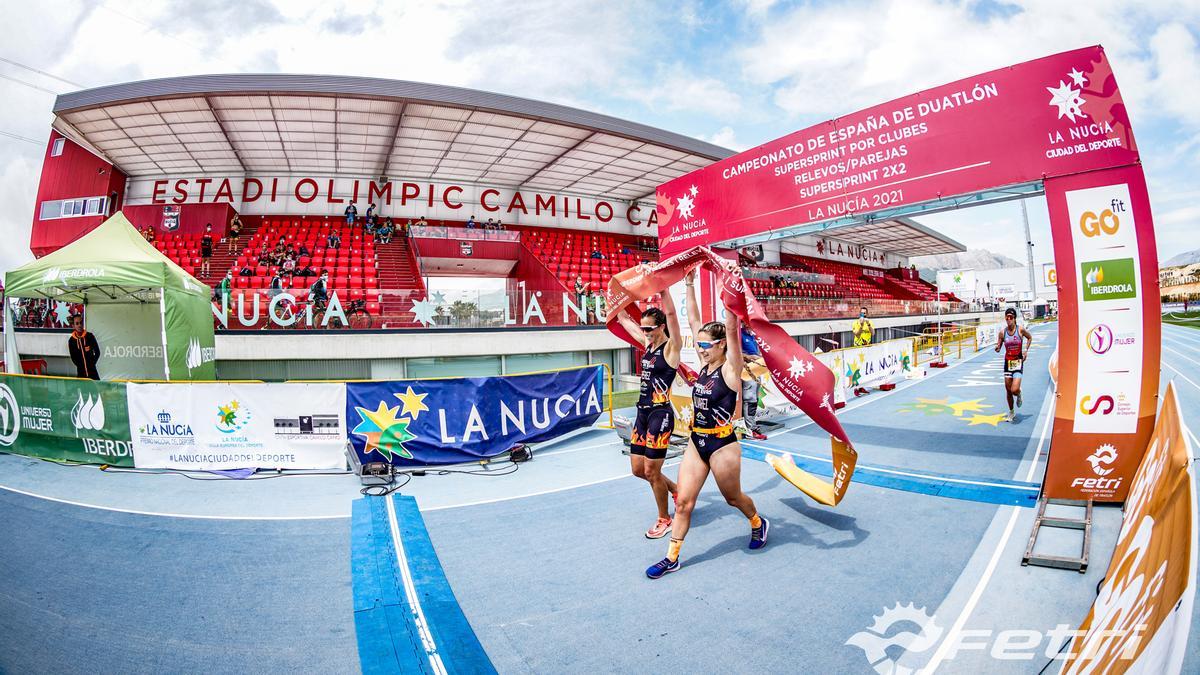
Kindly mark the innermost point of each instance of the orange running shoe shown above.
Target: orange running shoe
(660, 529)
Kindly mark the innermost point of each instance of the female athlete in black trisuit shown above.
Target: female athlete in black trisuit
(659, 335)
(713, 445)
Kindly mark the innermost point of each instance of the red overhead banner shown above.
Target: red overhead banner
(1054, 116)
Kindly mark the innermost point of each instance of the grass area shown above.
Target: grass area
(1185, 319)
(624, 399)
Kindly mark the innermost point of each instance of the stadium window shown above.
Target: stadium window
(57, 148)
(51, 208)
(94, 206)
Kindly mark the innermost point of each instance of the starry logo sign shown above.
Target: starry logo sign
(232, 417)
(1067, 96)
(687, 203)
(385, 431)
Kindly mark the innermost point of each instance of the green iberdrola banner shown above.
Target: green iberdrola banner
(65, 419)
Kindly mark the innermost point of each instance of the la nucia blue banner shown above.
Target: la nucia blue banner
(420, 422)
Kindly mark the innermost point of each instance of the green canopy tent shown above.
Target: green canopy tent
(153, 320)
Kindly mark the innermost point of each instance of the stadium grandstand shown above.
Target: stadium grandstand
(538, 203)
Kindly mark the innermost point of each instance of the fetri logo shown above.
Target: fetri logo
(1107, 222)
(1102, 459)
(1108, 280)
(1103, 404)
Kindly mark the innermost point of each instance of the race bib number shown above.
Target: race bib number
(1014, 364)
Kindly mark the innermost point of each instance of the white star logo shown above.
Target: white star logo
(439, 298)
(695, 190)
(1078, 77)
(1068, 101)
(798, 368)
(423, 311)
(686, 414)
(686, 204)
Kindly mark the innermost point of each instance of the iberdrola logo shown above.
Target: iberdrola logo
(384, 431)
(1095, 275)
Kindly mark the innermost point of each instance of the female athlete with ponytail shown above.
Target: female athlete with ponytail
(659, 335)
(713, 446)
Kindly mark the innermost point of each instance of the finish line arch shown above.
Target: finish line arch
(1055, 126)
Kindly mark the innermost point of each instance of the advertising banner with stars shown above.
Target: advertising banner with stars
(455, 420)
(209, 427)
(794, 372)
(1055, 116)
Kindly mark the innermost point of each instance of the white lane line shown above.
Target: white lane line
(1185, 357)
(952, 636)
(549, 453)
(410, 591)
(167, 515)
(539, 493)
(1179, 373)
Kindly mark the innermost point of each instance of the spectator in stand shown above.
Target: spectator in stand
(489, 225)
(246, 271)
(371, 214)
(421, 222)
(302, 251)
(206, 249)
(384, 234)
(84, 350)
(235, 234)
(625, 250)
(581, 293)
(405, 227)
(223, 288)
(334, 241)
(276, 285)
(306, 272)
(597, 255)
(288, 269)
(351, 214)
(318, 293)
(471, 223)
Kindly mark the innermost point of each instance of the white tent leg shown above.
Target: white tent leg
(12, 360)
(162, 321)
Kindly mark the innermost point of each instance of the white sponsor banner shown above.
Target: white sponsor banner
(987, 334)
(218, 426)
(959, 282)
(871, 365)
(1110, 355)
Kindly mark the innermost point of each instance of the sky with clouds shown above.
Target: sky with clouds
(735, 73)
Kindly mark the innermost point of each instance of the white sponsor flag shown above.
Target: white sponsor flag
(958, 282)
(218, 426)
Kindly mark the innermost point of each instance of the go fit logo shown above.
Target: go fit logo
(1107, 222)
(1088, 407)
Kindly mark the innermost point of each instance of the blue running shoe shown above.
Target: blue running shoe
(758, 535)
(664, 566)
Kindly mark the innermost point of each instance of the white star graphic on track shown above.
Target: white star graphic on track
(1067, 99)
(1079, 78)
(686, 204)
(798, 368)
(423, 311)
(61, 313)
(695, 190)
